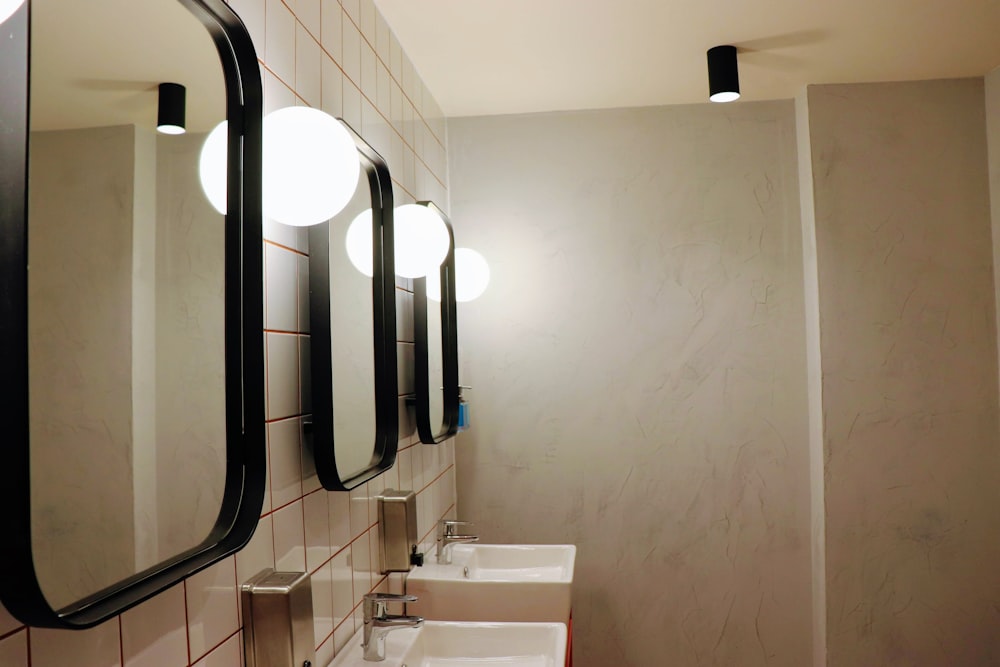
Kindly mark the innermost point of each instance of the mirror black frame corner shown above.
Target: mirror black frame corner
(321, 432)
(449, 346)
(20, 590)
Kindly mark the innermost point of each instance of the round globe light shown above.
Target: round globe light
(421, 240)
(311, 166)
(359, 243)
(472, 276)
(212, 167)
(8, 7)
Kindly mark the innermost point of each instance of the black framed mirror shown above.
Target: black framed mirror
(436, 348)
(352, 313)
(131, 317)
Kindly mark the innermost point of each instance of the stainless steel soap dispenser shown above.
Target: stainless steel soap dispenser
(278, 620)
(397, 518)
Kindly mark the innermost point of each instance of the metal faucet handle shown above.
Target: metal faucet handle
(390, 597)
(375, 603)
(447, 526)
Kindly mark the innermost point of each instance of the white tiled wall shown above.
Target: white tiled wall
(341, 57)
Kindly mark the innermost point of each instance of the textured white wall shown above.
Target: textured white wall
(638, 371)
(908, 339)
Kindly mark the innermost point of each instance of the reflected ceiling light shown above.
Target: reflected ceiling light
(212, 167)
(8, 7)
(170, 113)
(723, 74)
(311, 166)
(420, 240)
(359, 243)
(472, 276)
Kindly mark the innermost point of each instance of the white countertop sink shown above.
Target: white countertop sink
(496, 582)
(442, 644)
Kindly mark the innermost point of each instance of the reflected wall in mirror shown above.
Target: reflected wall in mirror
(144, 427)
(355, 424)
(436, 354)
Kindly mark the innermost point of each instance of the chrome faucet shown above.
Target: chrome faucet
(448, 537)
(379, 623)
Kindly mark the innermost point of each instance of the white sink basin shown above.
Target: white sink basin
(496, 582)
(440, 644)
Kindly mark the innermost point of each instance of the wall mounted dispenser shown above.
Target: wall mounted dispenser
(278, 620)
(397, 518)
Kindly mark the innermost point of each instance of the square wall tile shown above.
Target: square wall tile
(322, 598)
(332, 29)
(286, 461)
(279, 50)
(154, 634)
(280, 283)
(308, 14)
(367, 24)
(344, 632)
(352, 105)
(14, 650)
(351, 45)
(343, 586)
(94, 647)
(332, 92)
(382, 38)
(361, 566)
(369, 73)
(325, 652)
(282, 375)
(296, 238)
(289, 539)
(359, 510)
(229, 654)
(305, 380)
(317, 530)
(307, 65)
(405, 368)
(302, 299)
(339, 504)
(211, 607)
(258, 554)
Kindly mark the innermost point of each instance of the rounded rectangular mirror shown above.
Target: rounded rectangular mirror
(436, 338)
(352, 312)
(133, 325)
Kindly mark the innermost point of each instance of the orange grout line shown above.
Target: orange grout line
(284, 247)
(374, 104)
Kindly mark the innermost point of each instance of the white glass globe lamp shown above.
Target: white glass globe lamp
(420, 240)
(212, 166)
(472, 276)
(311, 166)
(359, 243)
(8, 7)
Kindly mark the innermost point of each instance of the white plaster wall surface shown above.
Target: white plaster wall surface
(80, 351)
(909, 364)
(639, 375)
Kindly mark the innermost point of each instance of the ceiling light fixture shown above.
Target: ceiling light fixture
(723, 74)
(170, 116)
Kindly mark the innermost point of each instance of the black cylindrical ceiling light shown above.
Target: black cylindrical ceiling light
(723, 74)
(170, 117)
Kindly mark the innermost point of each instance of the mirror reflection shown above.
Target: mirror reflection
(126, 287)
(352, 345)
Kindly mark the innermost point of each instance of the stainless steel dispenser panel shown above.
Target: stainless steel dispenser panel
(278, 620)
(397, 517)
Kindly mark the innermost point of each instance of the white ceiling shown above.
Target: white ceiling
(99, 63)
(482, 57)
